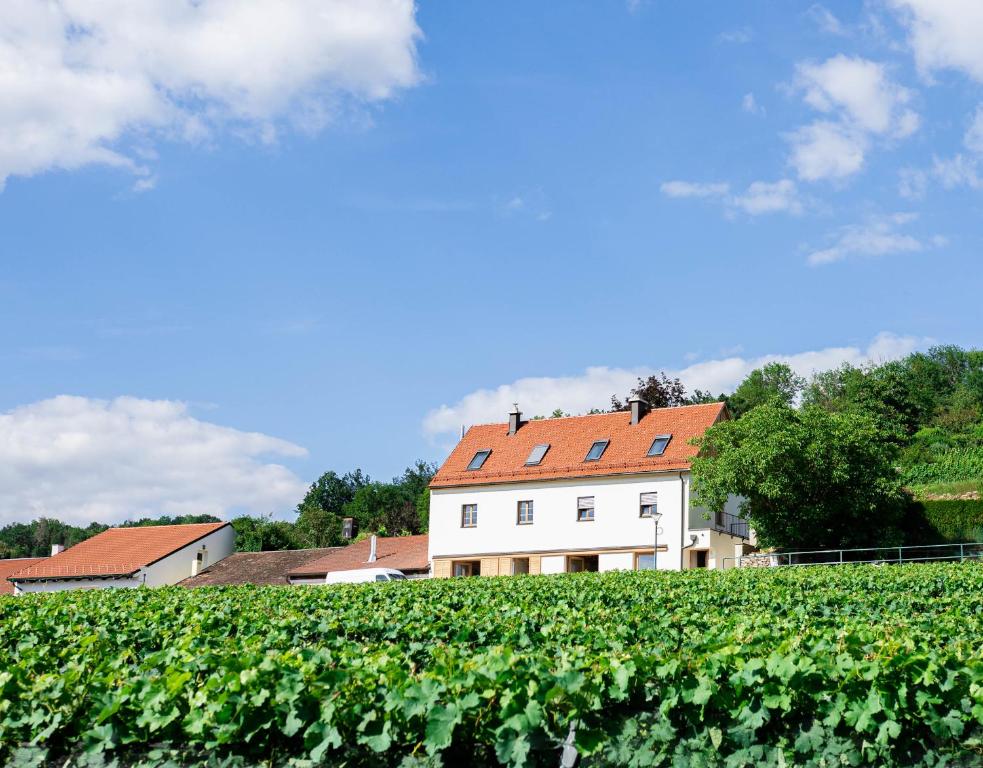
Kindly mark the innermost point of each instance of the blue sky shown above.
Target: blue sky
(241, 261)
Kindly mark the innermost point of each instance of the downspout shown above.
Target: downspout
(685, 521)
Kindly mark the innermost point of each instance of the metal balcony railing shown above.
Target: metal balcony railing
(725, 522)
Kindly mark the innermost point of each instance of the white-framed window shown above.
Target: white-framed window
(585, 509)
(525, 513)
(648, 504)
(469, 515)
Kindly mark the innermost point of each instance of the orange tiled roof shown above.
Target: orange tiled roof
(404, 553)
(118, 551)
(571, 438)
(11, 566)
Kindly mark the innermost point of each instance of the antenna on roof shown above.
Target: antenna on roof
(463, 430)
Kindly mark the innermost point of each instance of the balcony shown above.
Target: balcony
(724, 522)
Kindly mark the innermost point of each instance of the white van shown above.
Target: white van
(364, 574)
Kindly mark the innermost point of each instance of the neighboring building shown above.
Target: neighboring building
(11, 566)
(129, 557)
(578, 494)
(403, 553)
(255, 567)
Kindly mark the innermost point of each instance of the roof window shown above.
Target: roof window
(659, 445)
(479, 459)
(596, 450)
(536, 454)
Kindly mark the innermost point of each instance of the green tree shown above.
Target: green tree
(810, 479)
(775, 381)
(320, 512)
(384, 508)
(658, 391)
(263, 534)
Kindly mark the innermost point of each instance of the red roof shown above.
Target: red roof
(118, 551)
(8, 567)
(404, 553)
(571, 438)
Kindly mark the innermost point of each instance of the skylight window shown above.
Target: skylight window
(537, 454)
(596, 450)
(659, 445)
(479, 459)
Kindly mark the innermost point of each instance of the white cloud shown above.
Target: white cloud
(974, 134)
(861, 102)
(694, 189)
(81, 459)
(957, 171)
(86, 82)
(760, 197)
(825, 150)
(878, 236)
(912, 183)
(740, 35)
(750, 105)
(860, 90)
(825, 20)
(593, 388)
(769, 197)
(945, 34)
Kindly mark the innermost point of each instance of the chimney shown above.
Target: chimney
(57, 549)
(515, 419)
(372, 546)
(638, 408)
(348, 528)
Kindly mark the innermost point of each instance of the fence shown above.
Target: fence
(878, 555)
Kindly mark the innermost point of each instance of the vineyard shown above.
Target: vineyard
(829, 666)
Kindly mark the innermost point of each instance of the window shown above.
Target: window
(585, 509)
(596, 450)
(467, 568)
(469, 516)
(536, 454)
(381, 577)
(648, 504)
(643, 563)
(525, 513)
(659, 445)
(479, 459)
(520, 566)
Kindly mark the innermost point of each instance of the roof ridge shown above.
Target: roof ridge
(167, 525)
(661, 409)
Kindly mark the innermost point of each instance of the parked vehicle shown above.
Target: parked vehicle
(364, 574)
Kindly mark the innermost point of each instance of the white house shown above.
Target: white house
(149, 556)
(583, 493)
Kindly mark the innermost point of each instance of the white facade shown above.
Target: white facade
(617, 535)
(170, 569)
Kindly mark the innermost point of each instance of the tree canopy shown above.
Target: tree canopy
(809, 478)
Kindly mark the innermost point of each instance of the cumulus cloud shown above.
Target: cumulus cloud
(86, 82)
(944, 34)
(769, 197)
(80, 459)
(974, 134)
(593, 388)
(825, 20)
(860, 102)
(694, 188)
(759, 198)
(878, 236)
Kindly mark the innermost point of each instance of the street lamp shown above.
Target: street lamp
(656, 517)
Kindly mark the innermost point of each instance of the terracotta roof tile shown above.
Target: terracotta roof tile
(118, 551)
(12, 566)
(404, 553)
(255, 567)
(571, 438)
